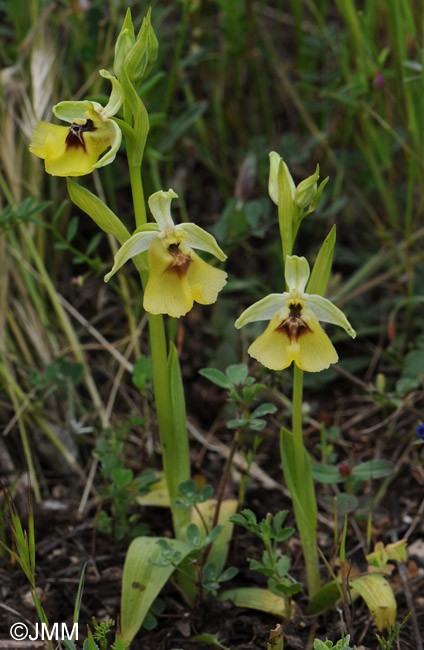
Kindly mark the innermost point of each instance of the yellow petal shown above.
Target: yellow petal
(205, 280)
(278, 346)
(316, 352)
(272, 347)
(167, 290)
(48, 140)
(66, 156)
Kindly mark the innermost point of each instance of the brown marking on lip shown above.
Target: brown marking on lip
(75, 137)
(294, 326)
(180, 262)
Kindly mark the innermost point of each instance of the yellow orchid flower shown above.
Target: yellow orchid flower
(91, 141)
(177, 275)
(294, 333)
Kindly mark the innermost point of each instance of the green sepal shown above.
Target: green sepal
(199, 238)
(124, 42)
(160, 207)
(71, 111)
(134, 246)
(322, 268)
(180, 470)
(142, 581)
(97, 210)
(326, 312)
(296, 274)
(142, 56)
(263, 309)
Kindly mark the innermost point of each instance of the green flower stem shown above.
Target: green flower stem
(304, 501)
(138, 195)
(299, 449)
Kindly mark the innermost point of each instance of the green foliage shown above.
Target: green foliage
(25, 212)
(274, 565)
(326, 446)
(206, 575)
(413, 370)
(102, 630)
(156, 609)
(209, 639)
(366, 471)
(242, 391)
(191, 495)
(58, 374)
(142, 373)
(120, 488)
(342, 644)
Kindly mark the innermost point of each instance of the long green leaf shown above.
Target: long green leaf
(262, 600)
(142, 581)
(322, 268)
(379, 597)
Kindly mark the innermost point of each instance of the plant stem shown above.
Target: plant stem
(297, 431)
(138, 195)
(304, 499)
(225, 476)
(221, 490)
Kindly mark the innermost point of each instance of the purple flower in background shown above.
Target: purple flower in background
(420, 431)
(379, 79)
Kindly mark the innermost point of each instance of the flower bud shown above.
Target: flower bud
(274, 164)
(306, 191)
(142, 56)
(124, 43)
